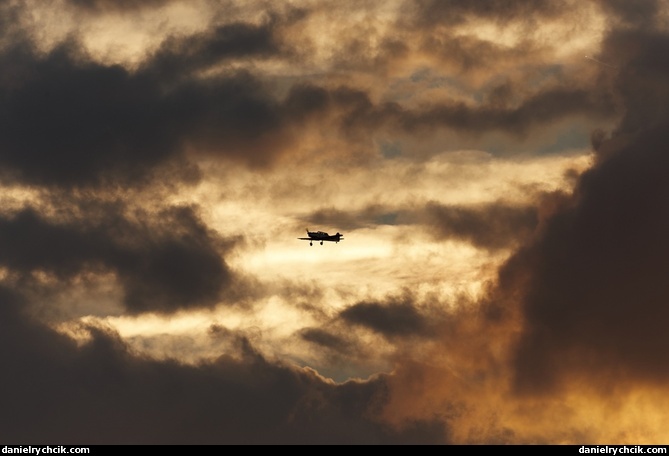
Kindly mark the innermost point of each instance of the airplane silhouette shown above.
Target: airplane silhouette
(321, 236)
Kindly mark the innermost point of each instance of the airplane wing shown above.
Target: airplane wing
(308, 239)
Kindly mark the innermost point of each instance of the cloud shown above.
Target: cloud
(642, 14)
(182, 56)
(493, 226)
(457, 11)
(574, 317)
(596, 295)
(106, 6)
(324, 339)
(639, 82)
(86, 394)
(75, 121)
(397, 318)
(166, 187)
(164, 262)
(536, 109)
(72, 122)
(356, 113)
(69, 123)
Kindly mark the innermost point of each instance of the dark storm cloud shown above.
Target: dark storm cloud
(395, 318)
(340, 354)
(641, 80)
(352, 106)
(355, 112)
(231, 117)
(351, 220)
(642, 13)
(103, 6)
(598, 291)
(452, 12)
(100, 393)
(164, 262)
(305, 100)
(9, 20)
(324, 339)
(493, 226)
(179, 56)
(72, 122)
(534, 110)
(594, 287)
(67, 121)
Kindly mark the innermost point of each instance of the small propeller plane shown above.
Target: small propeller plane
(321, 236)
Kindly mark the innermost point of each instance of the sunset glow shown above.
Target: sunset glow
(497, 170)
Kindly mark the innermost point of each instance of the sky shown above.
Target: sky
(499, 171)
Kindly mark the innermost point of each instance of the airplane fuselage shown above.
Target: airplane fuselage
(321, 236)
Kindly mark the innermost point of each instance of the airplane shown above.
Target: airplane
(321, 236)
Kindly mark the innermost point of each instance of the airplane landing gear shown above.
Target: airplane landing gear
(321, 242)
(311, 243)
